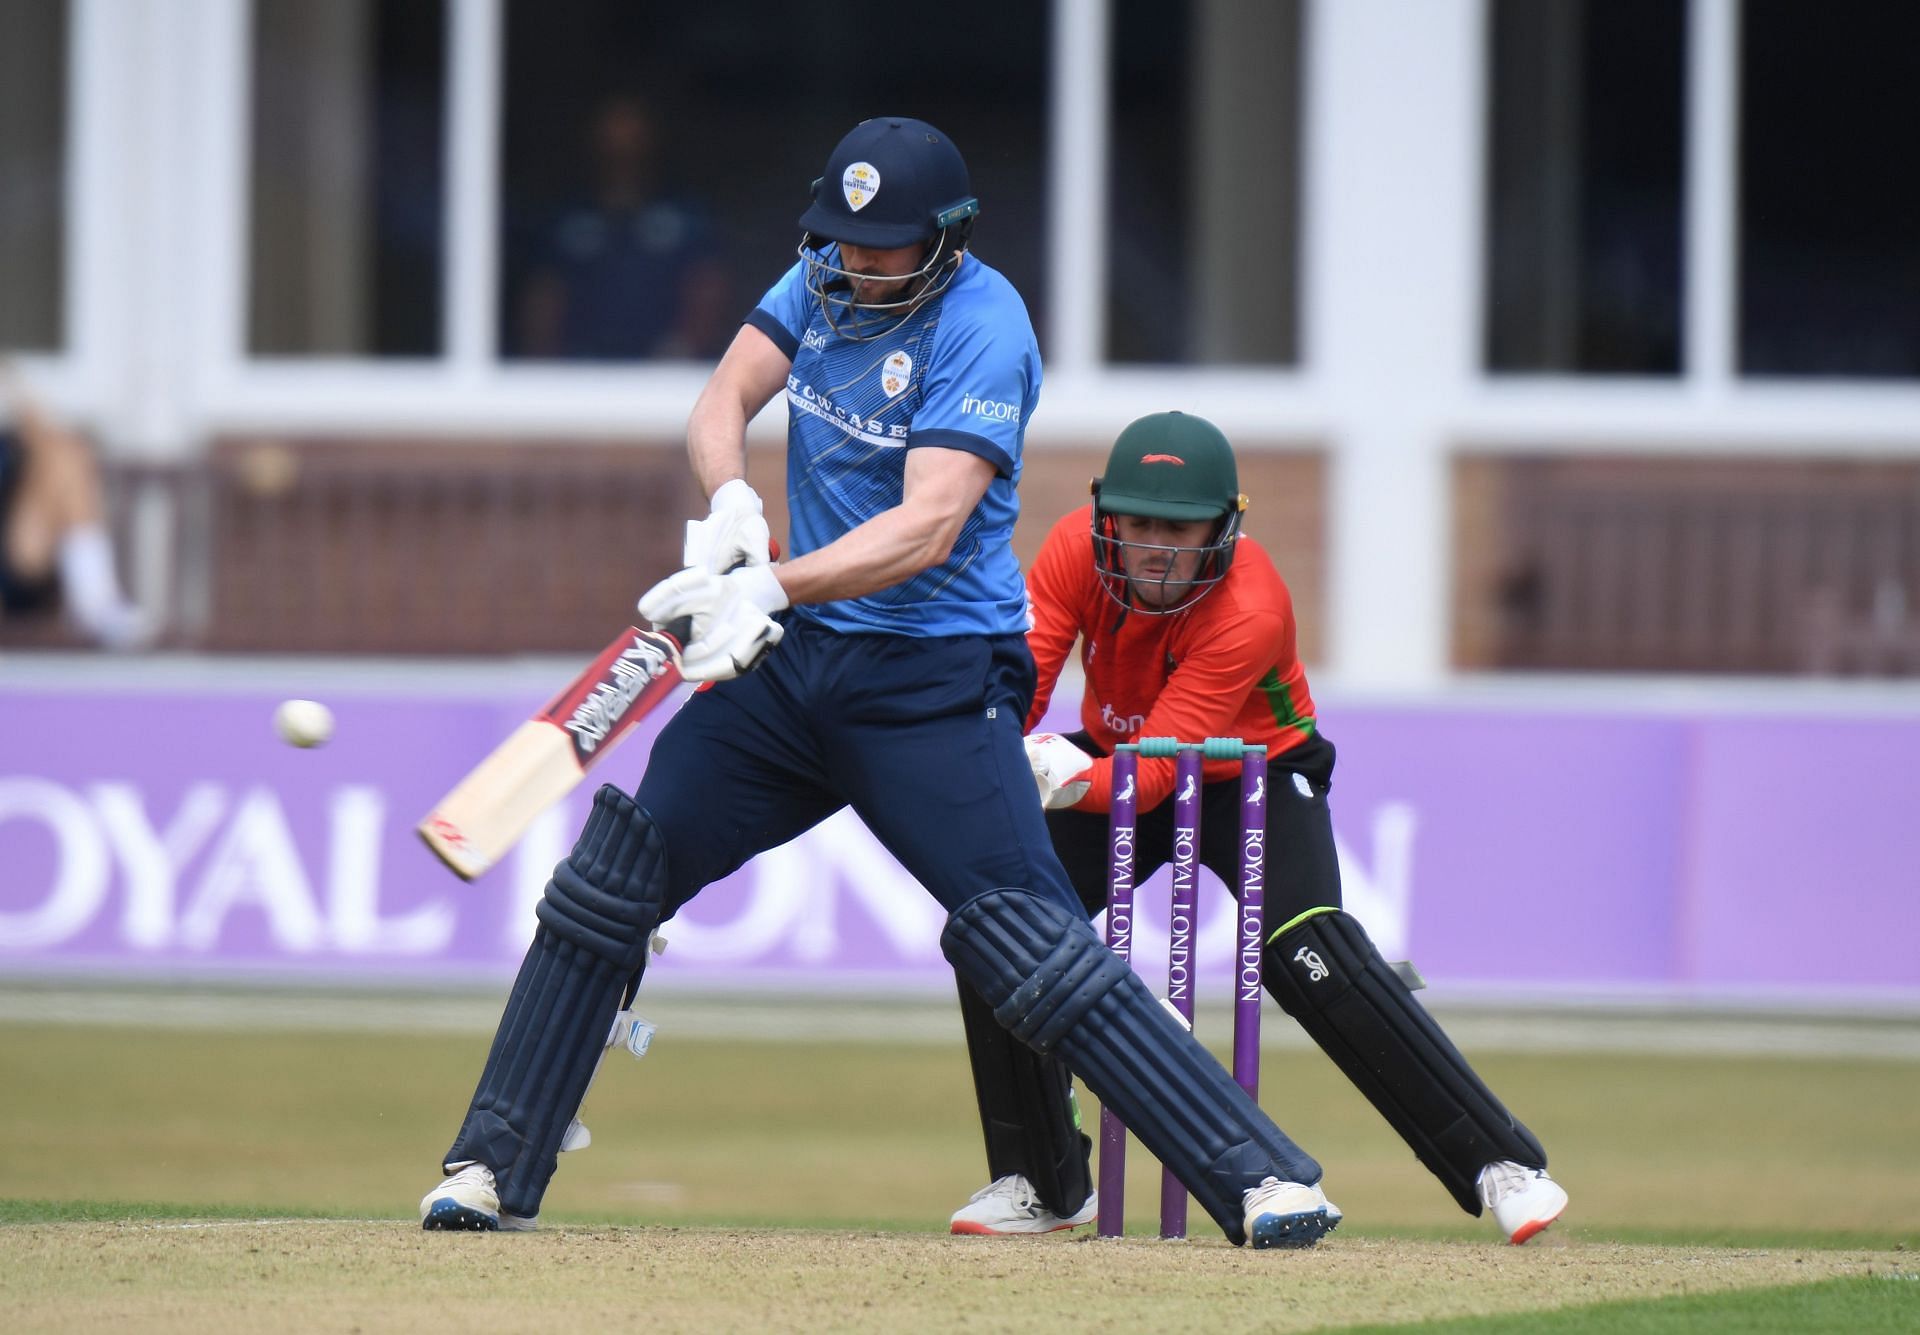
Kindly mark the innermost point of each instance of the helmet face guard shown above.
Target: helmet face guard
(1110, 553)
(834, 285)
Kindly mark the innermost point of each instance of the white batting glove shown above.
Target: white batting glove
(734, 534)
(1059, 769)
(732, 630)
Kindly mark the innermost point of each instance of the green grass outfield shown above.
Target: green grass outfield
(739, 1182)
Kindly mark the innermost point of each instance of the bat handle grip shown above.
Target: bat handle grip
(681, 628)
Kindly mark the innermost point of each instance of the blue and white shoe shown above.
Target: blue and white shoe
(1288, 1214)
(467, 1202)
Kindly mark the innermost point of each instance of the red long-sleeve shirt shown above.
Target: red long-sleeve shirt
(1225, 667)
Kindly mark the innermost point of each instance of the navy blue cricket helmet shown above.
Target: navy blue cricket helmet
(891, 182)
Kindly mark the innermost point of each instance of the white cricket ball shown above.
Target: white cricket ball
(303, 722)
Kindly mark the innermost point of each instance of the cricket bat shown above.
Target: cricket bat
(486, 813)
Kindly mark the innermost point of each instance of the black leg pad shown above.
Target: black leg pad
(1026, 1111)
(1056, 987)
(606, 897)
(599, 910)
(1326, 974)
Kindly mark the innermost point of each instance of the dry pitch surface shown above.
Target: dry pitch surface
(674, 1220)
(389, 1276)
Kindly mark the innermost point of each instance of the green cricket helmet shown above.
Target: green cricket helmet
(1167, 466)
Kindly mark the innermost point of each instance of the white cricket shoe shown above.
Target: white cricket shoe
(1288, 1214)
(466, 1201)
(1523, 1200)
(1009, 1206)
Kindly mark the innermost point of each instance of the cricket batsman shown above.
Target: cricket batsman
(884, 667)
(1186, 630)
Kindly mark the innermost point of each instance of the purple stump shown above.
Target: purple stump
(1249, 940)
(1181, 918)
(1120, 853)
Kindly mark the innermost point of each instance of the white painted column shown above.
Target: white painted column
(159, 91)
(473, 170)
(1712, 195)
(1392, 263)
(1077, 188)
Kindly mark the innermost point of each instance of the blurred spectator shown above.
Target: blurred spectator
(54, 548)
(634, 273)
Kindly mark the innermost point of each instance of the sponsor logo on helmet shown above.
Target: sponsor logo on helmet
(860, 182)
(895, 372)
(1163, 459)
(990, 408)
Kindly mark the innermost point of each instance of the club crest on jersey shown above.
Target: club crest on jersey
(895, 372)
(860, 183)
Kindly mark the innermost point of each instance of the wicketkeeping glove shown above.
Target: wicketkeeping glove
(734, 534)
(1059, 769)
(732, 630)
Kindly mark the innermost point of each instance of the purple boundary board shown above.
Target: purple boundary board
(172, 834)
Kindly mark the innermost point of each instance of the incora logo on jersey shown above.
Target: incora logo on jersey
(990, 408)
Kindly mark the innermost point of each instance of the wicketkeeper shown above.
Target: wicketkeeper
(1187, 630)
(896, 675)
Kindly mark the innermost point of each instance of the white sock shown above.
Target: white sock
(91, 588)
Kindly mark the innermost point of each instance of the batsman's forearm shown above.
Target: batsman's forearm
(894, 545)
(716, 442)
(750, 373)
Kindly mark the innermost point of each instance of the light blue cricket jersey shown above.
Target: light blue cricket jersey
(962, 373)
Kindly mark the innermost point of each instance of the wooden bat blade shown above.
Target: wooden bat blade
(486, 813)
(475, 824)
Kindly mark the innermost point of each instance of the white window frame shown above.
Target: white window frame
(158, 260)
(1390, 384)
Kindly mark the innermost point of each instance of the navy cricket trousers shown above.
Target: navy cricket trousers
(920, 736)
